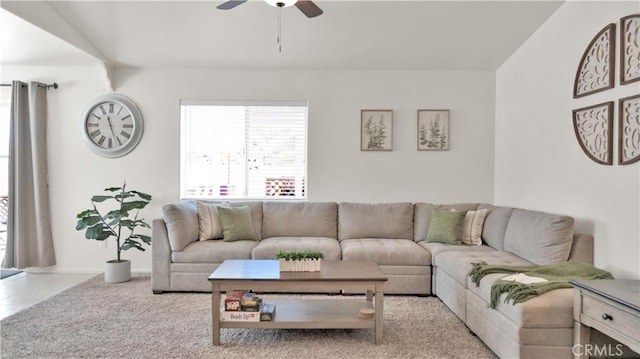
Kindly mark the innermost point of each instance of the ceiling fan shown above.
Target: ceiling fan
(308, 8)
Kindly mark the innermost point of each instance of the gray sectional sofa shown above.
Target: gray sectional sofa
(394, 236)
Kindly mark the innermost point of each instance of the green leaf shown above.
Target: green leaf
(142, 223)
(142, 195)
(113, 189)
(134, 205)
(120, 196)
(87, 222)
(115, 214)
(86, 212)
(128, 224)
(100, 198)
(129, 243)
(142, 237)
(99, 232)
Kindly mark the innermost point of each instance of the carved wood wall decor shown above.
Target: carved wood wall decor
(597, 66)
(629, 49)
(629, 130)
(593, 126)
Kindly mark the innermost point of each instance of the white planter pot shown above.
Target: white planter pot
(306, 265)
(117, 272)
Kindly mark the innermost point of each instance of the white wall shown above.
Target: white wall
(337, 169)
(539, 164)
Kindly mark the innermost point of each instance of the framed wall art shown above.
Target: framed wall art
(597, 65)
(593, 126)
(629, 49)
(629, 130)
(376, 130)
(433, 130)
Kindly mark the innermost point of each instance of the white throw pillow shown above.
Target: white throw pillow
(473, 223)
(210, 227)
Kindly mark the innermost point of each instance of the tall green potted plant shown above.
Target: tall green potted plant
(120, 223)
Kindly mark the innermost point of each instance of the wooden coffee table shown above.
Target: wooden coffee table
(334, 313)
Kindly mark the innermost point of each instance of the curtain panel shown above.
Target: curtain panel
(29, 239)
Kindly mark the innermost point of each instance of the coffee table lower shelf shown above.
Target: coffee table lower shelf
(312, 314)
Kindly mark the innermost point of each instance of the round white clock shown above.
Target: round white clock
(111, 125)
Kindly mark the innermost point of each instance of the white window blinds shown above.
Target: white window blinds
(241, 151)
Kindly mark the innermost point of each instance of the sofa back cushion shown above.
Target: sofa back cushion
(182, 224)
(539, 237)
(422, 216)
(495, 225)
(382, 220)
(299, 219)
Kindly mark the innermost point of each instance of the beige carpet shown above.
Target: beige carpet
(97, 320)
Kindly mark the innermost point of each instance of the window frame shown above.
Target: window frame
(183, 196)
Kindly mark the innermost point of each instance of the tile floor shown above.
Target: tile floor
(23, 290)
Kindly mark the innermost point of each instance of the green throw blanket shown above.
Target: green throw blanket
(557, 276)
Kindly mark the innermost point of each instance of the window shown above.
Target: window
(243, 150)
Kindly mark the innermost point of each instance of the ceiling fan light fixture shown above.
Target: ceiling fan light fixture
(281, 3)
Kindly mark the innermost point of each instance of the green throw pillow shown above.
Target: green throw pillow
(236, 224)
(446, 227)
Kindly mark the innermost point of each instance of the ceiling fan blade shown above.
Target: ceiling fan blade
(309, 8)
(230, 4)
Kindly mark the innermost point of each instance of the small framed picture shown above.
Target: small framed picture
(376, 130)
(433, 130)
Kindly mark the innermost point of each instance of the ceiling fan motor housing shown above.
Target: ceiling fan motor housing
(281, 3)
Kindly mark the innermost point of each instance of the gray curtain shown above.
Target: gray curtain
(29, 240)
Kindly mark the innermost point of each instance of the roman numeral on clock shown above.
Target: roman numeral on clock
(94, 133)
(125, 134)
(101, 140)
(126, 117)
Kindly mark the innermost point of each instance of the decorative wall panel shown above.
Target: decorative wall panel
(629, 130)
(593, 126)
(597, 66)
(629, 49)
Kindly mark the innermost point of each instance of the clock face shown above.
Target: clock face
(111, 125)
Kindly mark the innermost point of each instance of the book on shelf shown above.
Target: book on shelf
(268, 312)
(265, 312)
(250, 300)
(252, 307)
(235, 316)
(233, 300)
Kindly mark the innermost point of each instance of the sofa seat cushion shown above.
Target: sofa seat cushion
(385, 251)
(213, 251)
(553, 309)
(458, 263)
(436, 248)
(268, 247)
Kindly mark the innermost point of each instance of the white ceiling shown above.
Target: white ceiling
(402, 35)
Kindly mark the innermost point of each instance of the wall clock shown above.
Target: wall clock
(111, 125)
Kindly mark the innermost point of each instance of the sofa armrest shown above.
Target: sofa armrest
(160, 257)
(582, 248)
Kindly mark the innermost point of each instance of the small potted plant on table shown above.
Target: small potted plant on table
(119, 224)
(299, 261)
